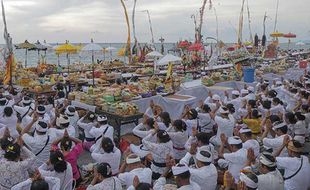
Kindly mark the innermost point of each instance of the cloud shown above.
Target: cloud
(77, 20)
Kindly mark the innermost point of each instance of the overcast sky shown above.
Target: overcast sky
(103, 20)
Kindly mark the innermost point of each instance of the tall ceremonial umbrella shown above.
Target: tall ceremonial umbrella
(39, 47)
(289, 36)
(26, 45)
(67, 49)
(92, 49)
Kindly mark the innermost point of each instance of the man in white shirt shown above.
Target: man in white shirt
(73, 116)
(204, 172)
(40, 143)
(182, 178)
(224, 125)
(134, 167)
(251, 94)
(235, 99)
(27, 107)
(212, 101)
(62, 123)
(296, 166)
(270, 177)
(236, 160)
(280, 129)
(248, 142)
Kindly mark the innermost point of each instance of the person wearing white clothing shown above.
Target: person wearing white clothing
(58, 167)
(159, 151)
(40, 143)
(179, 137)
(277, 107)
(103, 179)
(51, 183)
(224, 125)
(204, 171)
(235, 99)
(212, 101)
(24, 111)
(248, 142)
(134, 167)
(108, 153)
(5, 101)
(270, 177)
(275, 143)
(201, 140)
(9, 119)
(100, 130)
(142, 130)
(205, 122)
(62, 123)
(236, 160)
(86, 123)
(73, 116)
(15, 165)
(182, 176)
(296, 166)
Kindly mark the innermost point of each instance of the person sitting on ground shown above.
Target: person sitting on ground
(37, 182)
(204, 172)
(134, 168)
(103, 179)
(108, 153)
(100, 130)
(71, 154)
(57, 167)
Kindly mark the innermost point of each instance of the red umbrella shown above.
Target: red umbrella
(289, 35)
(196, 47)
(184, 44)
(230, 49)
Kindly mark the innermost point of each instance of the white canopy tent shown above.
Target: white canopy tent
(169, 58)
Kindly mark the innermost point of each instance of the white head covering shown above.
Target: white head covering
(266, 81)
(248, 182)
(251, 88)
(179, 169)
(132, 158)
(267, 162)
(300, 139)
(216, 97)
(102, 118)
(204, 155)
(234, 140)
(235, 92)
(62, 119)
(245, 130)
(41, 109)
(41, 126)
(278, 125)
(24, 101)
(244, 91)
(68, 112)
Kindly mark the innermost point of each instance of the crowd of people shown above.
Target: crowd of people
(251, 138)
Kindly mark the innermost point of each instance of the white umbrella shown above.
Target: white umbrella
(169, 58)
(47, 45)
(300, 44)
(154, 54)
(93, 49)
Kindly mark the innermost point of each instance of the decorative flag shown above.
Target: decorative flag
(169, 71)
(8, 51)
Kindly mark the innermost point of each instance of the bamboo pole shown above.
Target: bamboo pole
(128, 48)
